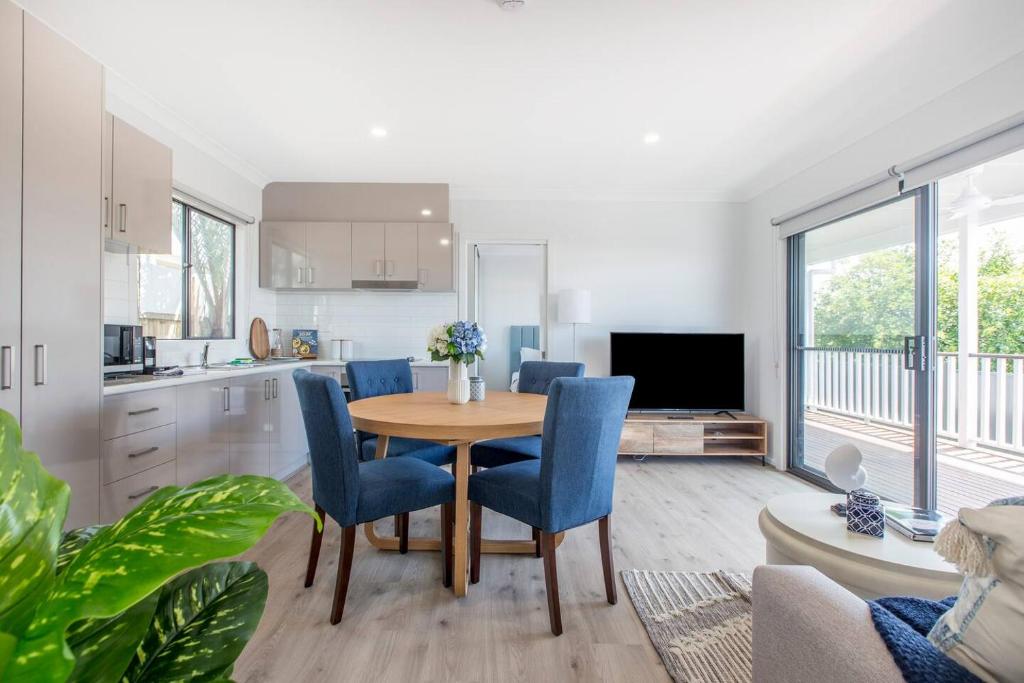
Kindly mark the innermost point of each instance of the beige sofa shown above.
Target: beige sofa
(807, 628)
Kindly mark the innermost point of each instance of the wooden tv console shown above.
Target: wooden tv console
(696, 434)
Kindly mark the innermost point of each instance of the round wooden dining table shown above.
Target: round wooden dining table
(429, 416)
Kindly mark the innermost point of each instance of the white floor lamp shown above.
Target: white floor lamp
(574, 309)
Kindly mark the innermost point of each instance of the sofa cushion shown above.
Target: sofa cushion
(982, 627)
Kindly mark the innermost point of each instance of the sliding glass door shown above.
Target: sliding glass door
(861, 339)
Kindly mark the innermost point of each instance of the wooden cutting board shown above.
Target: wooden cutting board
(259, 340)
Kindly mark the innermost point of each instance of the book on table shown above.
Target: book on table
(916, 524)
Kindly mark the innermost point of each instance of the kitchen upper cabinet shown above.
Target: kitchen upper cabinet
(401, 253)
(435, 257)
(62, 254)
(10, 208)
(288, 432)
(282, 254)
(367, 254)
(249, 424)
(203, 431)
(329, 255)
(139, 207)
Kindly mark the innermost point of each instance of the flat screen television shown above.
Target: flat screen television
(685, 372)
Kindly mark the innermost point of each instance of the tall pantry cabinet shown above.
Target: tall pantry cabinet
(50, 263)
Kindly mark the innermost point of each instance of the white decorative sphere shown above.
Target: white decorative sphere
(842, 466)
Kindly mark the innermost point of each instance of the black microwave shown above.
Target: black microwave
(122, 348)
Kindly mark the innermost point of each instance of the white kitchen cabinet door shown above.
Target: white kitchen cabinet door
(283, 254)
(249, 424)
(430, 379)
(62, 254)
(329, 255)
(288, 439)
(107, 182)
(367, 252)
(10, 208)
(435, 257)
(401, 254)
(336, 372)
(141, 190)
(203, 431)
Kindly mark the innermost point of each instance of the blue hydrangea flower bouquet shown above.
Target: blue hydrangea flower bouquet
(460, 343)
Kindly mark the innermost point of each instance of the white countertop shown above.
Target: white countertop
(218, 375)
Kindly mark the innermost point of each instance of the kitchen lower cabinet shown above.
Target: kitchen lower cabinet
(120, 497)
(430, 378)
(249, 424)
(288, 447)
(203, 431)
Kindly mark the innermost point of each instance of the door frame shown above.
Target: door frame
(925, 313)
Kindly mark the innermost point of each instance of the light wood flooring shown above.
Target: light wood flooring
(401, 625)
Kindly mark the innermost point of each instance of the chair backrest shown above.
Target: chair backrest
(535, 376)
(369, 378)
(582, 428)
(332, 446)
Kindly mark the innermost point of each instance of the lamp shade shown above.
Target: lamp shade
(574, 306)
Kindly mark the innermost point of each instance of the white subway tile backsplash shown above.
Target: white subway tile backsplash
(380, 324)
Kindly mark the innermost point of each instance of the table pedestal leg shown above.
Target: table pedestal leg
(461, 519)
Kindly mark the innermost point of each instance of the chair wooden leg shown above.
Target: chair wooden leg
(604, 530)
(551, 581)
(403, 532)
(314, 546)
(348, 543)
(476, 518)
(536, 543)
(447, 535)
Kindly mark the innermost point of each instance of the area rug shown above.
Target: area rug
(699, 622)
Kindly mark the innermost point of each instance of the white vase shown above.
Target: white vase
(458, 382)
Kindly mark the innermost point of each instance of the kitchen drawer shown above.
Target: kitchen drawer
(122, 496)
(135, 412)
(685, 438)
(636, 438)
(128, 455)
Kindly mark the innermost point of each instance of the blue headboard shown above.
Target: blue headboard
(520, 336)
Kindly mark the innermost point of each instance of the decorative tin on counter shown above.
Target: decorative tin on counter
(864, 514)
(477, 389)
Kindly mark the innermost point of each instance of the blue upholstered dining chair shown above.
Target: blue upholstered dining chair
(368, 378)
(353, 492)
(572, 482)
(534, 378)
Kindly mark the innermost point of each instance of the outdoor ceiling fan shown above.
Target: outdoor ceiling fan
(973, 201)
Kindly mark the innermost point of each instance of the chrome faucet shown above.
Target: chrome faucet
(205, 362)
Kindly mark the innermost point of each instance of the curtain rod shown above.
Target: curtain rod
(202, 201)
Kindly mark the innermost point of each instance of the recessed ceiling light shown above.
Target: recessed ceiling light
(426, 212)
(651, 138)
(379, 132)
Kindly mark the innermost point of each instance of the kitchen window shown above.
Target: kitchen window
(190, 293)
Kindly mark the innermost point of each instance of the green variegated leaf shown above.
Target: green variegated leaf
(103, 648)
(73, 542)
(201, 624)
(33, 505)
(174, 530)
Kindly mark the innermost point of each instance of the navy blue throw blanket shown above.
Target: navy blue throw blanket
(904, 624)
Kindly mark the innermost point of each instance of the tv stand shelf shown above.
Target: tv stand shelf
(696, 434)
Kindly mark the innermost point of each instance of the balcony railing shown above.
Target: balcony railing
(873, 385)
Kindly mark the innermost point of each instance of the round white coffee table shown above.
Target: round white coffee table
(801, 529)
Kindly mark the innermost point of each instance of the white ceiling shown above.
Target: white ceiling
(553, 99)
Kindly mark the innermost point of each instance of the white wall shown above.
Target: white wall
(658, 266)
(200, 165)
(991, 97)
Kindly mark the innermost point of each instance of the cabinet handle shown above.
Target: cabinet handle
(6, 367)
(143, 493)
(123, 210)
(227, 400)
(273, 384)
(147, 451)
(376, 267)
(423, 275)
(106, 212)
(133, 413)
(40, 376)
(389, 267)
(266, 390)
(299, 275)
(309, 280)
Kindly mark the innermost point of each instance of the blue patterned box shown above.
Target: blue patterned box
(864, 514)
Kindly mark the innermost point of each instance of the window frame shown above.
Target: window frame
(186, 265)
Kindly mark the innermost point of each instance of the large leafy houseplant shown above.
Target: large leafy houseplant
(135, 600)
